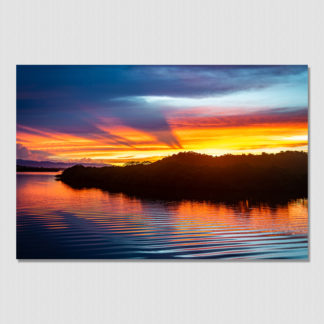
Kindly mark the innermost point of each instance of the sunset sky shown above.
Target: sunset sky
(115, 114)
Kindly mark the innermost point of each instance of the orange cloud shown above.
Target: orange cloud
(255, 132)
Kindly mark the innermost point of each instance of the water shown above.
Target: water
(56, 221)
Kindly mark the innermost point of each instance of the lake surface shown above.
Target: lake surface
(55, 221)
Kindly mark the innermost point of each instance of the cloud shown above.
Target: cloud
(70, 99)
(141, 116)
(286, 116)
(97, 84)
(25, 154)
(86, 82)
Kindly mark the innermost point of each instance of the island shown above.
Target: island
(200, 176)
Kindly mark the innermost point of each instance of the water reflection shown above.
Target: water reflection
(56, 221)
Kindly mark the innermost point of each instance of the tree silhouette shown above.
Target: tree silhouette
(194, 175)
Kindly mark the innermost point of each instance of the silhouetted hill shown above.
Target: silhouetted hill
(57, 165)
(193, 175)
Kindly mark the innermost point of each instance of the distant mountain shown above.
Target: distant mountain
(56, 165)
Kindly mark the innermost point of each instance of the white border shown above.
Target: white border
(160, 32)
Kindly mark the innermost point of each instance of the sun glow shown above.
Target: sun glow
(116, 114)
(139, 146)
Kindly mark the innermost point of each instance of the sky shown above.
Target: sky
(115, 114)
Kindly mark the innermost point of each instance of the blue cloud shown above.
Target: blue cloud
(70, 98)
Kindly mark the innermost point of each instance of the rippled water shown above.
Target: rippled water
(56, 221)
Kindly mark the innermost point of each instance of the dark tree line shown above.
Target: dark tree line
(193, 175)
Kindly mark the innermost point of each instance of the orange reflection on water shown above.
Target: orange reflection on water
(289, 218)
(93, 223)
(53, 203)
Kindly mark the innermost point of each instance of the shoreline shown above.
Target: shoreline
(281, 176)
